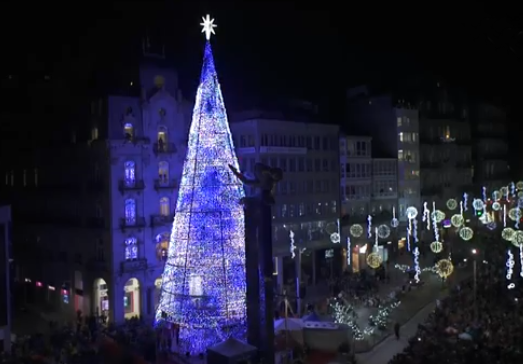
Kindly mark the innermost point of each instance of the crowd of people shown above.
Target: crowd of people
(478, 323)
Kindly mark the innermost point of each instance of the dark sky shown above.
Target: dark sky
(303, 49)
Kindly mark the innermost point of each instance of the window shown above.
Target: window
(162, 246)
(12, 178)
(292, 165)
(165, 206)
(130, 211)
(301, 165)
(399, 120)
(130, 173)
(325, 165)
(334, 207)
(309, 165)
(163, 171)
(131, 249)
(301, 209)
(128, 131)
(162, 139)
(94, 133)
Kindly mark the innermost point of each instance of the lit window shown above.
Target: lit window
(399, 120)
(94, 133)
(12, 178)
(165, 206)
(400, 154)
(163, 171)
(401, 136)
(131, 249)
(130, 211)
(162, 246)
(162, 139)
(128, 131)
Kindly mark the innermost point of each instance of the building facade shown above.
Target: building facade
(490, 148)
(394, 128)
(307, 199)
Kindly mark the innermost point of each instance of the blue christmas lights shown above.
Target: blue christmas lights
(203, 284)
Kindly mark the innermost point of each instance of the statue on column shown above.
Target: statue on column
(265, 179)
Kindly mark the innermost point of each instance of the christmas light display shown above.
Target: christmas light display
(465, 201)
(496, 206)
(504, 192)
(417, 268)
(518, 216)
(383, 231)
(444, 268)
(457, 220)
(374, 260)
(376, 240)
(435, 222)
(461, 209)
(426, 215)
(513, 190)
(512, 213)
(369, 226)
(508, 233)
(203, 284)
(356, 230)
(484, 194)
(452, 204)
(436, 247)
(517, 238)
(466, 233)
(477, 205)
(496, 195)
(510, 266)
(394, 222)
(349, 251)
(521, 260)
(415, 230)
(292, 245)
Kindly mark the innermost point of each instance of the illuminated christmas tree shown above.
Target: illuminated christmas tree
(203, 284)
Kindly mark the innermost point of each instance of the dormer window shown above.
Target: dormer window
(128, 131)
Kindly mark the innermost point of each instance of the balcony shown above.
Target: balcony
(131, 266)
(160, 184)
(127, 185)
(136, 223)
(162, 220)
(164, 148)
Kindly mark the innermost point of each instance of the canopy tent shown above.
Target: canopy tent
(288, 324)
(231, 351)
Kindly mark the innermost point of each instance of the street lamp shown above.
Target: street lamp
(474, 253)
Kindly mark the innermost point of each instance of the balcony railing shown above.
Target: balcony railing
(136, 223)
(164, 184)
(162, 220)
(135, 265)
(164, 148)
(135, 185)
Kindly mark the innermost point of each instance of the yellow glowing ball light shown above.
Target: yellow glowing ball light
(517, 239)
(508, 233)
(356, 230)
(444, 268)
(452, 204)
(513, 214)
(374, 260)
(436, 247)
(466, 233)
(457, 220)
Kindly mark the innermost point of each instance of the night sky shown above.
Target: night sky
(271, 50)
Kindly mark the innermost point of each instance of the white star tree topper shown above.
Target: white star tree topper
(208, 26)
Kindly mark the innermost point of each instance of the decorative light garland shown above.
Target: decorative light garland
(349, 251)
(415, 230)
(435, 222)
(510, 267)
(484, 193)
(417, 269)
(206, 256)
(513, 190)
(426, 215)
(461, 209)
(465, 201)
(292, 245)
(369, 226)
(504, 216)
(518, 217)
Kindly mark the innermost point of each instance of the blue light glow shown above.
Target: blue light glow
(203, 284)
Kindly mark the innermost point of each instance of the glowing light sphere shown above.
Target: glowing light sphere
(383, 231)
(457, 220)
(496, 195)
(444, 268)
(356, 230)
(452, 204)
(438, 215)
(466, 233)
(517, 238)
(508, 233)
(478, 204)
(519, 185)
(436, 247)
(335, 238)
(394, 223)
(503, 191)
(496, 206)
(520, 194)
(513, 213)
(411, 212)
(374, 260)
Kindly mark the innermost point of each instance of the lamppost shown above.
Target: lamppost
(474, 254)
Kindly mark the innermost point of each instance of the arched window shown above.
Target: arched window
(162, 139)
(131, 248)
(165, 206)
(163, 171)
(128, 131)
(130, 173)
(130, 211)
(162, 246)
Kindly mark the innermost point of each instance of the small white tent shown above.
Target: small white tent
(288, 324)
